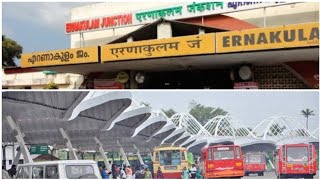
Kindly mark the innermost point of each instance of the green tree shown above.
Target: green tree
(10, 50)
(204, 113)
(169, 112)
(52, 85)
(306, 113)
(276, 129)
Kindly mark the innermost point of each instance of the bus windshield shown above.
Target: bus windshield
(254, 159)
(222, 153)
(170, 157)
(297, 154)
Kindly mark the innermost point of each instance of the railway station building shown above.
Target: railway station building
(205, 45)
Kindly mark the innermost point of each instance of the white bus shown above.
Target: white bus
(66, 169)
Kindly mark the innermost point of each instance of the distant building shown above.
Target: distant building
(18, 78)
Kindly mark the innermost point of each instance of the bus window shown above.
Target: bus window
(183, 157)
(297, 154)
(222, 153)
(37, 172)
(78, 171)
(170, 157)
(52, 172)
(238, 153)
(254, 159)
(209, 154)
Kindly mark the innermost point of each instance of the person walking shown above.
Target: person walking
(199, 173)
(128, 171)
(5, 174)
(105, 173)
(12, 171)
(159, 174)
(140, 173)
(148, 174)
(193, 171)
(123, 173)
(185, 173)
(115, 172)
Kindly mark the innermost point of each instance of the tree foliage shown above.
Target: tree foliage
(10, 50)
(169, 112)
(204, 113)
(306, 113)
(52, 85)
(276, 129)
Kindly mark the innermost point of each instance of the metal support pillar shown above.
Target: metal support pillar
(150, 154)
(103, 154)
(82, 40)
(139, 155)
(123, 154)
(72, 153)
(17, 157)
(269, 160)
(19, 136)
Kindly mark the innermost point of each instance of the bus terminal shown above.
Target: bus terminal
(74, 132)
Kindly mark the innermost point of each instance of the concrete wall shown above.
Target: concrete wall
(275, 16)
(39, 80)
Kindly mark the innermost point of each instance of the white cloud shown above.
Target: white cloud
(52, 14)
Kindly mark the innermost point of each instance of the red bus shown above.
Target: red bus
(255, 163)
(222, 161)
(295, 161)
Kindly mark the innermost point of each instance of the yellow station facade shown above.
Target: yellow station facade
(193, 52)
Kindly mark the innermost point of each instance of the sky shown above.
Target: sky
(38, 26)
(249, 107)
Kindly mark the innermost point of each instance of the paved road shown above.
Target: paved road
(270, 175)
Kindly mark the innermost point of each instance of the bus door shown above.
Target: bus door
(209, 160)
(312, 159)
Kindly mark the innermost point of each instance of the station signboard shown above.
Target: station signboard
(60, 57)
(171, 47)
(289, 36)
(39, 149)
(173, 12)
